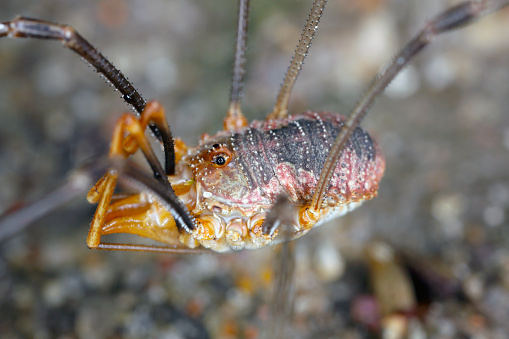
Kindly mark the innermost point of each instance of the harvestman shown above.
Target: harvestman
(200, 216)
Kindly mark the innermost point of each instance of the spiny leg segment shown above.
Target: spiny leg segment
(151, 114)
(280, 110)
(279, 218)
(38, 29)
(235, 119)
(460, 15)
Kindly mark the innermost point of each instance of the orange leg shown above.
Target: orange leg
(234, 119)
(102, 191)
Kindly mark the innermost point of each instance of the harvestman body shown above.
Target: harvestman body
(251, 184)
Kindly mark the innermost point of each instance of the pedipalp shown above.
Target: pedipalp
(128, 136)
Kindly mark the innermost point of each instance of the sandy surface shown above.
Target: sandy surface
(443, 204)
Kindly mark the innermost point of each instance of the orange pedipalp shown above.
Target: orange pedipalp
(130, 205)
(137, 225)
(137, 215)
(130, 213)
(153, 113)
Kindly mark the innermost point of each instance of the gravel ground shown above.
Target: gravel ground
(443, 205)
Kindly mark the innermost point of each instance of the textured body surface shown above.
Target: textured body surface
(292, 156)
(286, 157)
(237, 177)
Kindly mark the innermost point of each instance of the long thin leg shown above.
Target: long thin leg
(463, 14)
(148, 248)
(79, 182)
(235, 119)
(70, 38)
(13, 222)
(281, 308)
(280, 217)
(281, 108)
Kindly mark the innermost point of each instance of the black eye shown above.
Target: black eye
(219, 160)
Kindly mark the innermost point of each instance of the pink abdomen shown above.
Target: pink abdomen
(288, 156)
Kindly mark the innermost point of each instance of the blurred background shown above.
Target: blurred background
(443, 205)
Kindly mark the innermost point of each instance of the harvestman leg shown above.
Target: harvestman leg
(279, 213)
(79, 182)
(151, 114)
(235, 119)
(460, 15)
(280, 218)
(280, 110)
(281, 307)
(70, 38)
